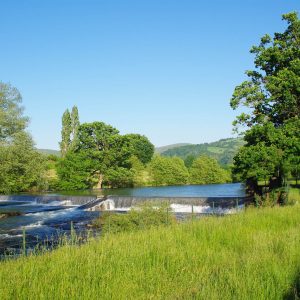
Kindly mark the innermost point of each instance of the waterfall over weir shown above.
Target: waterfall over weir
(99, 204)
(225, 202)
(125, 203)
(210, 196)
(204, 205)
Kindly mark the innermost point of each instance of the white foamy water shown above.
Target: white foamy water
(49, 213)
(183, 208)
(33, 225)
(125, 209)
(62, 203)
(7, 236)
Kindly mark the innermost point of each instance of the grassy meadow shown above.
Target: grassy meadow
(252, 255)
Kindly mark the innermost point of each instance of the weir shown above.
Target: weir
(101, 203)
(116, 202)
(223, 202)
(202, 205)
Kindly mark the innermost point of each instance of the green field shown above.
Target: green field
(253, 255)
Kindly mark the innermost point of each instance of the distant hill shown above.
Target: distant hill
(223, 150)
(49, 151)
(168, 147)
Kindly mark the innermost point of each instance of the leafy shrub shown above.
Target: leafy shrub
(141, 217)
(206, 170)
(168, 171)
(273, 198)
(119, 177)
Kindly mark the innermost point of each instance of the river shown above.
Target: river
(47, 216)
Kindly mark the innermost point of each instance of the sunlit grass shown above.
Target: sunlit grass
(294, 196)
(253, 255)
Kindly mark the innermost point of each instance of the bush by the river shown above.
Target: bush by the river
(144, 216)
(168, 171)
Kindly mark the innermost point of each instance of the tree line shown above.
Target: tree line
(95, 155)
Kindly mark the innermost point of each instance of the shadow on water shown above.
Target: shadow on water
(209, 190)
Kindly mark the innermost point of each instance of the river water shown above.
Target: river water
(45, 217)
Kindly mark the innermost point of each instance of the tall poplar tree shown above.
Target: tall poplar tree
(69, 131)
(65, 133)
(75, 125)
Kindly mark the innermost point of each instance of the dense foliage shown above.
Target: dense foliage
(22, 168)
(223, 151)
(143, 216)
(168, 171)
(206, 170)
(102, 156)
(272, 98)
(12, 120)
(142, 148)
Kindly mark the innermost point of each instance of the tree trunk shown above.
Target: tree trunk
(99, 183)
(252, 187)
(276, 183)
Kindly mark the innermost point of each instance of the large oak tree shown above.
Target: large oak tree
(271, 97)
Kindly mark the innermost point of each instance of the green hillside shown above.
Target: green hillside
(222, 150)
(168, 147)
(49, 151)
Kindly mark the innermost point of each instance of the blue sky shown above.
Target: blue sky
(163, 68)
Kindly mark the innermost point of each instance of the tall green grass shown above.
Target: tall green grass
(252, 255)
(294, 196)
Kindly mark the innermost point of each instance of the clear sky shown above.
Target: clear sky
(163, 68)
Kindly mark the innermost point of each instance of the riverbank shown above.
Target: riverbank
(254, 255)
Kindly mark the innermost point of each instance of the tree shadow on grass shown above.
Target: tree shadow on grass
(294, 292)
(297, 186)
